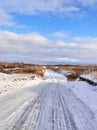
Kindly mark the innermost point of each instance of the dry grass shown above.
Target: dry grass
(4, 71)
(39, 71)
(76, 70)
(21, 68)
(72, 77)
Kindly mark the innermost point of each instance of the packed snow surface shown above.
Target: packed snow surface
(51, 104)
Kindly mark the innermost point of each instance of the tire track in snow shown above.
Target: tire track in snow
(30, 113)
(66, 122)
(82, 115)
(70, 123)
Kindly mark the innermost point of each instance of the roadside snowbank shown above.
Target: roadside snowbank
(90, 77)
(16, 81)
(87, 93)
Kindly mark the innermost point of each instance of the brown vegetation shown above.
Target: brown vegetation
(34, 70)
(6, 67)
(72, 77)
(76, 70)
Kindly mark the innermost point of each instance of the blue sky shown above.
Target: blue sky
(48, 32)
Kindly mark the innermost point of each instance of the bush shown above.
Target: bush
(33, 70)
(4, 71)
(72, 77)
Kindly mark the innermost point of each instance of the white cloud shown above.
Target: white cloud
(66, 44)
(35, 48)
(36, 6)
(6, 19)
(14, 39)
(87, 42)
(88, 2)
(59, 34)
(31, 7)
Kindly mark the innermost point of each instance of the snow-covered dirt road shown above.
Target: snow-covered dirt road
(49, 105)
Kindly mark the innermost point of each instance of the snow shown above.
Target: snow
(50, 104)
(50, 76)
(90, 77)
(65, 72)
(10, 82)
(87, 93)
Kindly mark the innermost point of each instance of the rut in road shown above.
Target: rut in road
(28, 119)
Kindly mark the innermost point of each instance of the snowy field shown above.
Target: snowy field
(51, 104)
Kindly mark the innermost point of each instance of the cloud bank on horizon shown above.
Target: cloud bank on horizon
(48, 32)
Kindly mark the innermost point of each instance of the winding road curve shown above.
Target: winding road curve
(47, 106)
